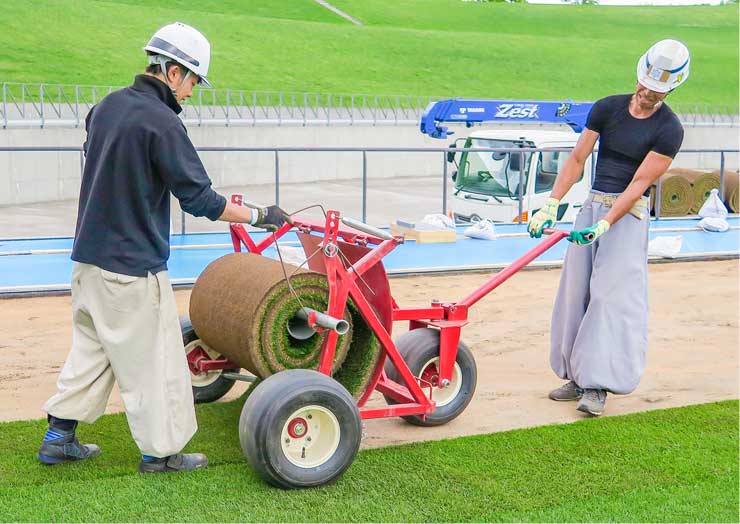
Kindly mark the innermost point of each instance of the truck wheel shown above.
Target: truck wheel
(300, 428)
(420, 349)
(210, 385)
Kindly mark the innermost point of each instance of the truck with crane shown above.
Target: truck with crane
(520, 171)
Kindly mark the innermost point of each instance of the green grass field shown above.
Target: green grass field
(676, 465)
(412, 47)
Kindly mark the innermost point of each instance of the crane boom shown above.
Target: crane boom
(470, 112)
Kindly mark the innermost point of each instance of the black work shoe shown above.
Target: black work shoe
(62, 446)
(593, 402)
(569, 391)
(177, 462)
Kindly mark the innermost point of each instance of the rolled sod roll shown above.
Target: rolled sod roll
(241, 304)
(703, 187)
(731, 189)
(676, 195)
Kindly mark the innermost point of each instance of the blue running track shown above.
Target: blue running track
(43, 264)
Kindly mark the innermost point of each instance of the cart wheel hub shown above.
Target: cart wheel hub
(196, 351)
(310, 436)
(297, 427)
(431, 375)
(446, 392)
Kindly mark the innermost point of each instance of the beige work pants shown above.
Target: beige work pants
(126, 329)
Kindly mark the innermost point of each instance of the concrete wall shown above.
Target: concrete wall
(27, 177)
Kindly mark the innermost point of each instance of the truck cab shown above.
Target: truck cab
(486, 184)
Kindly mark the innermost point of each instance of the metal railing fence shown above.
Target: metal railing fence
(277, 151)
(59, 105)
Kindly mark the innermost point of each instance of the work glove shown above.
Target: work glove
(543, 218)
(584, 237)
(270, 218)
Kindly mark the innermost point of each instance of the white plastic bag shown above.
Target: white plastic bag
(667, 247)
(483, 230)
(438, 221)
(714, 224)
(713, 207)
(713, 214)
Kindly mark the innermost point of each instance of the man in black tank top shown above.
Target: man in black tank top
(599, 325)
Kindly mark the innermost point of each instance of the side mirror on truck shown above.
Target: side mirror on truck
(451, 154)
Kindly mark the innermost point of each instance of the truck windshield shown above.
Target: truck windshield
(492, 173)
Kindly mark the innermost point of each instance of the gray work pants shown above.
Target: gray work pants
(599, 329)
(125, 329)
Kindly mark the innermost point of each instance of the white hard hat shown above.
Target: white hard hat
(185, 45)
(664, 67)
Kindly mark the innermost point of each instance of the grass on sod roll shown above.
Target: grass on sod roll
(675, 465)
(359, 360)
(416, 47)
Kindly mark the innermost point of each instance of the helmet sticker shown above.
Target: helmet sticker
(656, 73)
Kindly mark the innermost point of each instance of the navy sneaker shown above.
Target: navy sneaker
(173, 463)
(61, 445)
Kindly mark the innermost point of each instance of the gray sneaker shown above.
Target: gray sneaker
(593, 402)
(177, 462)
(569, 391)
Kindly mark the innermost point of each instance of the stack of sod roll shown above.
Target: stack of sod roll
(684, 191)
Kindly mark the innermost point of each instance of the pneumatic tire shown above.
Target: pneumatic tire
(299, 429)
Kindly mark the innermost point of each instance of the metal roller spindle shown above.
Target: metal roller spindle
(366, 228)
(300, 328)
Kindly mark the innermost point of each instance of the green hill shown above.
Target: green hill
(414, 47)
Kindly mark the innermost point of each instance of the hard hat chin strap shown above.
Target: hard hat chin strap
(162, 61)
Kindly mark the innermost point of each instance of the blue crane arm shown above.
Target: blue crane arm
(471, 112)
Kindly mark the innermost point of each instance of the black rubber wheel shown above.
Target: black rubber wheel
(419, 348)
(210, 386)
(300, 428)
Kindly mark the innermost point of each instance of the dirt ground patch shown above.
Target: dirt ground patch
(692, 358)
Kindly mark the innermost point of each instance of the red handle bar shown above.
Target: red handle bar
(554, 236)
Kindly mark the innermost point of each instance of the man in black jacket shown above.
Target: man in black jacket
(126, 327)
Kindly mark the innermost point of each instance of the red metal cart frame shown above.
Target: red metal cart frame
(342, 277)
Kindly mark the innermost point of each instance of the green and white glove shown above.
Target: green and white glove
(543, 218)
(588, 235)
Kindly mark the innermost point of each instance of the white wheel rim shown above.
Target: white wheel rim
(205, 378)
(310, 436)
(443, 396)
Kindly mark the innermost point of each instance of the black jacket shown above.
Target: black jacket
(137, 152)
